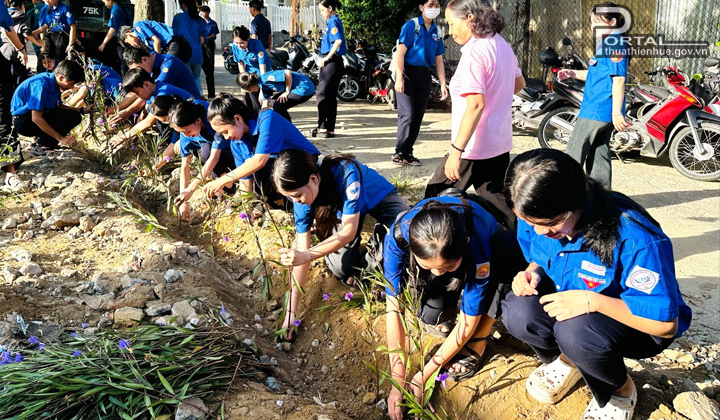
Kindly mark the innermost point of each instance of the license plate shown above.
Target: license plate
(91, 11)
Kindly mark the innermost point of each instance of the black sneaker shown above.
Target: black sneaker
(411, 160)
(39, 150)
(397, 159)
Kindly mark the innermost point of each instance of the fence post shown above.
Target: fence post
(217, 15)
(270, 8)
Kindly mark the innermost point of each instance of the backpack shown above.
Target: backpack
(418, 25)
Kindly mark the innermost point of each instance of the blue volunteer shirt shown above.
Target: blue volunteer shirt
(421, 50)
(171, 70)
(477, 294)
(333, 31)
(361, 190)
(191, 29)
(6, 22)
(260, 27)
(118, 18)
(642, 273)
(242, 149)
(38, 93)
(274, 81)
(611, 59)
(166, 89)
(146, 29)
(58, 18)
(212, 29)
(252, 57)
(111, 80)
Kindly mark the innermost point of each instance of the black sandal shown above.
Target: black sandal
(313, 132)
(472, 362)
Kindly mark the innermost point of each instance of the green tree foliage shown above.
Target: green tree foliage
(377, 21)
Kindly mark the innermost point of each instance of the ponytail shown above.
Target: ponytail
(247, 80)
(226, 107)
(191, 7)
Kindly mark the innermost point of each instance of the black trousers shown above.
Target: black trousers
(473, 173)
(506, 261)
(291, 101)
(595, 343)
(208, 67)
(57, 43)
(411, 107)
(112, 56)
(180, 48)
(61, 120)
(326, 94)
(225, 164)
(10, 153)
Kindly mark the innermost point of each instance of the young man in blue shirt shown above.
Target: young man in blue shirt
(118, 19)
(58, 19)
(260, 28)
(209, 50)
(249, 54)
(156, 37)
(38, 110)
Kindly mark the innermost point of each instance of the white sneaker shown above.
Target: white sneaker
(14, 181)
(616, 409)
(548, 384)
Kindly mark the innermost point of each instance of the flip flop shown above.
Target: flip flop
(472, 362)
(432, 329)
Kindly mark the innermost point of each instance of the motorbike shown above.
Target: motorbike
(354, 77)
(383, 88)
(229, 59)
(530, 105)
(291, 55)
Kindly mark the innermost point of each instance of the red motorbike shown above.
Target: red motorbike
(673, 120)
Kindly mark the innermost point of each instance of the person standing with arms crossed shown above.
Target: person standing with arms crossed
(420, 46)
(603, 105)
(333, 47)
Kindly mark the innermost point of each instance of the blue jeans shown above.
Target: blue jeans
(196, 70)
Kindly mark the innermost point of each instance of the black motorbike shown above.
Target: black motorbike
(291, 55)
(229, 60)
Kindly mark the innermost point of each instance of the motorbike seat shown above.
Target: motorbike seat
(712, 62)
(575, 83)
(660, 92)
(534, 84)
(281, 55)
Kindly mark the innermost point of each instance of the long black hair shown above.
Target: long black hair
(247, 80)
(293, 169)
(607, 12)
(334, 4)
(192, 8)
(227, 107)
(549, 185)
(486, 20)
(437, 231)
(162, 105)
(185, 113)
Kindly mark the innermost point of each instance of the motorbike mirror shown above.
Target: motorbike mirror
(285, 32)
(308, 32)
(446, 36)
(712, 62)
(567, 41)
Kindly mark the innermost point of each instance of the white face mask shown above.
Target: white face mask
(432, 12)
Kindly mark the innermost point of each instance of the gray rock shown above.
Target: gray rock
(47, 330)
(285, 346)
(10, 273)
(75, 232)
(690, 385)
(271, 305)
(28, 235)
(128, 314)
(30, 269)
(103, 285)
(191, 409)
(271, 383)
(171, 276)
(127, 282)
(696, 406)
(158, 308)
(62, 217)
(56, 181)
(104, 322)
(193, 250)
(22, 255)
(10, 223)
(87, 224)
(184, 311)
(315, 343)
(279, 403)
(382, 405)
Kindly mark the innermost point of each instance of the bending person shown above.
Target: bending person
(600, 286)
(279, 89)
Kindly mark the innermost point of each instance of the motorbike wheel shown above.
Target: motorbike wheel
(349, 88)
(685, 159)
(391, 97)
(557, 127)
(231, 66)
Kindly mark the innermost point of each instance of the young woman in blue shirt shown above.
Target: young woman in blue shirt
(600, 286)
(279, 89)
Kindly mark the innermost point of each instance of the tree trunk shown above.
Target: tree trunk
(150, 10)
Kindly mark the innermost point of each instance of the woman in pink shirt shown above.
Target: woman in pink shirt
(482, 90)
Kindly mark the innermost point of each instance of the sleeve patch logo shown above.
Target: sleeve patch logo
(69, 15)
(166, 69)
(353, 191)
(483, 271)
(616, 57)
(261, 55)
(334, 31)
(271, 78)
(642, 279)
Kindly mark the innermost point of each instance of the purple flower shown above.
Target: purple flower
(18, 357)
(33, 340)
(442, 378)
(132, 147)
(348, 296)
(41, 346)
(135, 115)
(167, 158)
(84, 325)
(223, 311)
(326, 296)
(124, 344)
(100, 121)
(226, 239)
(76, 353)
(243, 215)
(297, 322)
(5, 357)
(382, 295)
(73, 335)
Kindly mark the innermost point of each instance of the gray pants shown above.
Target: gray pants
(590, 145)
(347, 261)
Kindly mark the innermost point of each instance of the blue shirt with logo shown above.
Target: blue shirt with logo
(274, 81)
(146, 29)
(260, 27)
(118, 18)
(242, 149)
(166, 89)
(642, 273)
(207, 135)
(611, 59)
(191, 29)
(477, 294)
(252, 57)
(333, 31)
(212, 29)
(58, 18)
(38, 93)
(111, 80)
(421, 50)
(171, 70)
